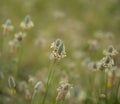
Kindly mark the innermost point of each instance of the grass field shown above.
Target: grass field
(59, 52)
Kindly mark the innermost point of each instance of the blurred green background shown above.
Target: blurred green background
(74, 21)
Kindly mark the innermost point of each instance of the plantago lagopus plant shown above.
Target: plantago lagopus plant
(58, 53)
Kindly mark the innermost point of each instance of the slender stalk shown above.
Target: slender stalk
(62, 102)
(116, 95)
(33, 96)
(20, 53)
(50, 76)
(2, 50)
(55, 102)
(106, 81)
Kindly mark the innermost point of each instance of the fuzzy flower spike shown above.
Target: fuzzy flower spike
(19, 36)
(12, 85)
(110, 51)
(58, 49)
(63, 90)
(7, 27)
(27, 23)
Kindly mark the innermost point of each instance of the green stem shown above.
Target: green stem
(117, 91)
(106, 81)
(50, 76)
(62, 102)
(33, 96)
(55, 102)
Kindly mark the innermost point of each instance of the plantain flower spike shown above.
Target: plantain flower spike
(27, 23)
(7, 27)
(110, 51)
(38, 85)
(58, 49)
(14, 44)
(12, 85)
(107, 62)
(19, 36)
(63, 91)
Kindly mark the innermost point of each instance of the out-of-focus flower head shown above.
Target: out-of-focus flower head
(86, 61)
(7, 27)
(108, 62)
(58, 49)
(31, 79)
(100, 66)
(93, 66)
(40, 42)
(12, 85)
(63, 90)
(22, 86)
(14, 44)
(93, 45)
(27, 23)
(110, 51)
(38, 85)
(19, 36)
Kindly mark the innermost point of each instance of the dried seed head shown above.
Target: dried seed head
(11, 82)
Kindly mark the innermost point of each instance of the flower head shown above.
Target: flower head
(7, 27)
(38, 85)
(12, 85)
(27, 23)
(63, 90)
(110, 51)
(19, 36)
(14, 45)
(11, 82)
(58, 49)
(107, 62)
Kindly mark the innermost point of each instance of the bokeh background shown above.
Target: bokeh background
(76, 22)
